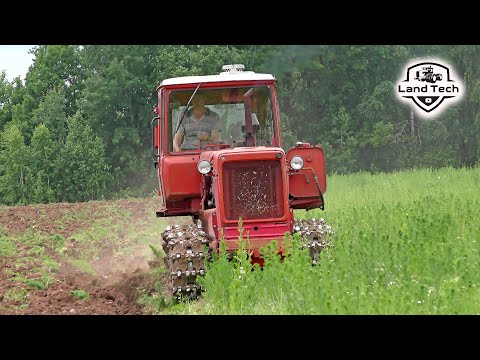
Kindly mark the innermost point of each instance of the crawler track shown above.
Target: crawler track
(315, 235)
(185, 247)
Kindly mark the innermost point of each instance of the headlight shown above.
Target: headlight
(296, 163)
(204, 167)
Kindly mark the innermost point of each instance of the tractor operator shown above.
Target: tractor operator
(199, 127)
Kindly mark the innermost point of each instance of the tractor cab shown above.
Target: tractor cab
(231, 115)
(224, 98)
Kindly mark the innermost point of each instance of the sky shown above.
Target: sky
(15, 60)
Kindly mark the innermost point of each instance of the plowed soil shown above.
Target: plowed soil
(51, 254)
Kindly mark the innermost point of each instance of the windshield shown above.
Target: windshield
(217, 116)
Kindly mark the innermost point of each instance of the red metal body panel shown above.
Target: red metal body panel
(182, 180)
(209, 221)
(304, 183)
(249, 154)
(255, 236)
(262, 230)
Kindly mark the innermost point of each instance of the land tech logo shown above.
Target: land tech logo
(431, 85)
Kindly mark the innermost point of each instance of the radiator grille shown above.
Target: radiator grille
(253, 190)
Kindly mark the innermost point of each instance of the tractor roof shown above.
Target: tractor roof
(229, 73)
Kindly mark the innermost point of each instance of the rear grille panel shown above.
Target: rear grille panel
(253, 190)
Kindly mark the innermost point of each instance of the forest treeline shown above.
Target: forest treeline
(78, 127)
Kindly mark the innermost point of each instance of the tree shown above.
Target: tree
(13, 167)
(464, 128)
(82, 168)
(11, 95)
(4, 98)
(52, 113)
(43, 152)
(117, 102)
(341, 148)
(56, 66)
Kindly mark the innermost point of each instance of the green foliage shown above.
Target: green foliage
(82, 162)
(4, 98)
(42, 163)
(14, 169)
(181, 60)
(6, 90)
(159, 253)
(234, 286)
(117, 101)
(16, 295)
(288, 138)
(55, 67)
(35, 284)
(7, 246)
(341, 149)
(50, 264)
(79, 293)
(339, 96)
(52, 113)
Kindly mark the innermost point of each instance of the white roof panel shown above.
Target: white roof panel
(224, 76)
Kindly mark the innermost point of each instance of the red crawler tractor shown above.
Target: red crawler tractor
(241, 174)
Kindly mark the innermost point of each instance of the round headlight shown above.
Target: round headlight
(296, 163)
(204, 167)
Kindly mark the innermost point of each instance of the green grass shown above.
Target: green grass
(117, 228)
(17, 295)
(81, 294)
(7, 246)
(405, 243)
(83, 266)
(3, 232)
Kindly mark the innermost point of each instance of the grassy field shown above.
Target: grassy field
(405, 243)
